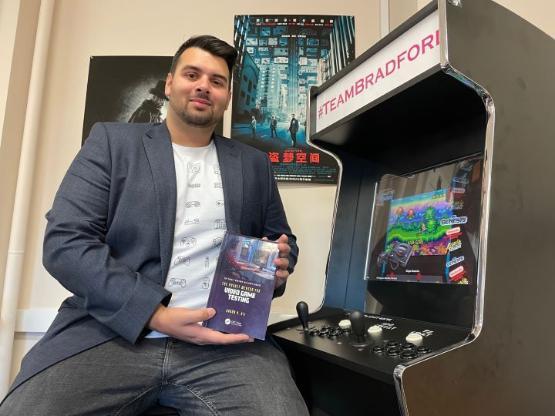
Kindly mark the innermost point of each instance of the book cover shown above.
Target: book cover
(243, 285)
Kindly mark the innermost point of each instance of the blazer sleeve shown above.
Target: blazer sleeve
(75, 251)
(276, 224)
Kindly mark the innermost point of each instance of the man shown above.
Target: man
(253, 127)
(150, 110)
(293, 128)
(141, 207)
(273, 127)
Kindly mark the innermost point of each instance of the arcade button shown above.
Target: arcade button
(392, 344)
(409, 354)
(414, 337)
(423, 350)
(378, 349)
(335, 333)
(393, 351)
(408, 347)
(345, 324)
(375, 330)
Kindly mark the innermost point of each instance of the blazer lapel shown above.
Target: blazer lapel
(159, 152)
(229, 159)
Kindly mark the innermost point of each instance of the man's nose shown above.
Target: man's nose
(203, 84)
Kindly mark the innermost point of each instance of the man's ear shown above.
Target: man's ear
(167, 87)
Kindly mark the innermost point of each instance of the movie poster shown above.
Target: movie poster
(280, 58)
(128, 89)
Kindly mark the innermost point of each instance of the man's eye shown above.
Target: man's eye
(191, 75)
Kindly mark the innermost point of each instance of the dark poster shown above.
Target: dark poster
(127, 89)
(280, 58)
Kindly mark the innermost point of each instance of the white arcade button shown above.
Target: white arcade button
(375, 329)
(414, 337)
(345, 324)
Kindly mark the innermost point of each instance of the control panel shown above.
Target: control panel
(372, 345)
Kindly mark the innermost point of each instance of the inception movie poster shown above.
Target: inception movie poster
(280, 58)
(128, 89)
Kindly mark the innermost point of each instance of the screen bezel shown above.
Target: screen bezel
(433, 302)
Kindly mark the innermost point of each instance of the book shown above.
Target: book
(243, 285)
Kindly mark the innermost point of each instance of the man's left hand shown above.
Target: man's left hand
(282, 262)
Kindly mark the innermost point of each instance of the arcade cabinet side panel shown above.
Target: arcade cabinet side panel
(504, 370)
(343, 229)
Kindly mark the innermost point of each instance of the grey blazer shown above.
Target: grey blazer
(110, 233)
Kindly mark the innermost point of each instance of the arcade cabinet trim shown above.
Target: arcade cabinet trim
(485, 208)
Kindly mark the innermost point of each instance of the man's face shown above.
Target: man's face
(198, 91)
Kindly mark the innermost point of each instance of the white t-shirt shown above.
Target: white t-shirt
(199, 226)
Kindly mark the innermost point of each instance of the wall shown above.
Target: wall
(18, 20)
(399, 11)
(538, 12)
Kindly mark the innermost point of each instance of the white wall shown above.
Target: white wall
(399, 11)
(9, 10)
(16, 51)
(541, 13)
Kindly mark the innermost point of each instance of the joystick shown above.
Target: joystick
(357, 327)
(302, 313)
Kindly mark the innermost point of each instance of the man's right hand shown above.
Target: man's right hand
(185, 324)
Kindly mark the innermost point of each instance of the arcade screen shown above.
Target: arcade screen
(425, 226)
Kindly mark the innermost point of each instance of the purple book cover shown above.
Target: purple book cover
(243, 286)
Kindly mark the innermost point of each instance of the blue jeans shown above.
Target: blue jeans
(117, 378)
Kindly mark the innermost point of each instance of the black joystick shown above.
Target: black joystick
(302, 313)
(357, 324)
(357, 328)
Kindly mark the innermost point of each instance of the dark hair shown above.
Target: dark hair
(211, 44)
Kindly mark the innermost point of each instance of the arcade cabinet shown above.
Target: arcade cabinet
(439, 283)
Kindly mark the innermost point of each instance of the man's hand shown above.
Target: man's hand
(282, 262)
(185, 324)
